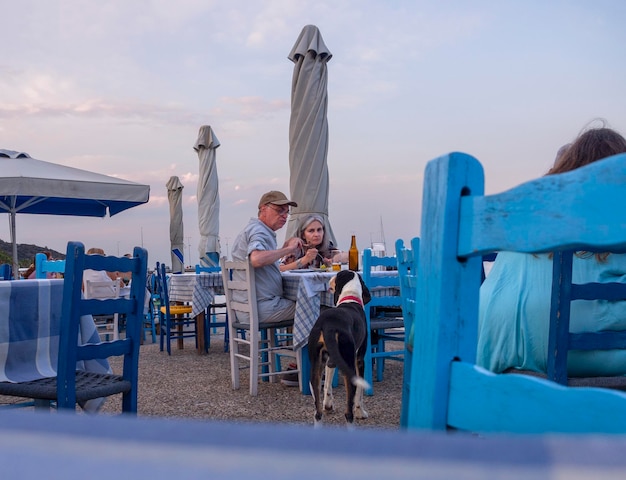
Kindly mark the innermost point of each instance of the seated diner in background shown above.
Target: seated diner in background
(257, 242)
(317, 249)
(99, 275)
(514, 314)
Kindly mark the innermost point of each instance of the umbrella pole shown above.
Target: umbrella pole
(16, 266)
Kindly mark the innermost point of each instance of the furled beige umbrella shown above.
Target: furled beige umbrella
(177, 237)
(308, 130)
(208, 198)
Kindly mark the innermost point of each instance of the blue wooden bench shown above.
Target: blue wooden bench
(580, 210)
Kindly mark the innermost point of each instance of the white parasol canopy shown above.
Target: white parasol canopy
(208, 198)
(33, 186)
(308, 130)
(177, 237)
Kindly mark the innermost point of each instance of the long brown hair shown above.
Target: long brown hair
(591, 145)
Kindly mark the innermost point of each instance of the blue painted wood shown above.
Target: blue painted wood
(407, 274)
(6, 272)
(74, 306)
(44, 266)
(576, 210)
(372, 312)
(560, 340)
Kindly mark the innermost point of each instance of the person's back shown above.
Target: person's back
(515, 298)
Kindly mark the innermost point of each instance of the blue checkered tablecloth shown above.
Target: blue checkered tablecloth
(30, 316)
(198, 289)
(310, 290)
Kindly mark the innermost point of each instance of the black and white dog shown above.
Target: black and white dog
(339, 339)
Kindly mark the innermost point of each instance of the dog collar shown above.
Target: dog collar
(350, 298)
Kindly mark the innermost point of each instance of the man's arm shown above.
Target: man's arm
(261, 258)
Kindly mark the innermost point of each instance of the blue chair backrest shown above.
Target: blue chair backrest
(578, 210)
(560, 340)
(75, 306)
(379, 282)
(43, 266)
(6, 272)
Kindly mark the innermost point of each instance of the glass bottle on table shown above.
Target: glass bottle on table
(353, 255)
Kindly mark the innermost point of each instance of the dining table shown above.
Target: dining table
(30, 319)
(199, 290)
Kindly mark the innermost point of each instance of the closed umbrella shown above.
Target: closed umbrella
(308, 130)
(177, 238)
(28, 185)
(208, 198)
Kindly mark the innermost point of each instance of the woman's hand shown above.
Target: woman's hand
(309, 257)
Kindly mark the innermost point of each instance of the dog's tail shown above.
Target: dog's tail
(336, 357)
(360, 382)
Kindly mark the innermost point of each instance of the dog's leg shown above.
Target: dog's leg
(315, 383)
(350, 392)
(359, 408)
(329, 374)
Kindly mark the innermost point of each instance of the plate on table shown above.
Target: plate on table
(301, 270)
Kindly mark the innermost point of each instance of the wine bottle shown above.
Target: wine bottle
(353, 255)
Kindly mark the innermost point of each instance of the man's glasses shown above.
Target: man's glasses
(282, 211)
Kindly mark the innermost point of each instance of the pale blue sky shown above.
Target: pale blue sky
(121, 88)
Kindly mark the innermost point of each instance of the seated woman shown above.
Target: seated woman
(318, 250)
(515, 298)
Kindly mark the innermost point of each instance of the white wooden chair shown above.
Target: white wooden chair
(260, 349)
(104, 289)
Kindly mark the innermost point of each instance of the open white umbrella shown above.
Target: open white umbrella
(308, 130)
(208, 198)
(33, 186)
(177, 238)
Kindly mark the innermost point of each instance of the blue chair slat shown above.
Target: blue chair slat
(570, 211)
(383, 315)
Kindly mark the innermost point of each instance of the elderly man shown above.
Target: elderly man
(258, 242)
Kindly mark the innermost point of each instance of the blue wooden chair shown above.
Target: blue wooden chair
(72, 386)
(383, 315)
(43, 266)
(561, 341)
(576, 210)
(176, 322)
(407, 274)
(6, 272)
(154, 304)
(216, 314)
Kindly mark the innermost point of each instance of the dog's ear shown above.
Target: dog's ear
(366, 293)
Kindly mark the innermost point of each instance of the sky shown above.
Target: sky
(122, 87)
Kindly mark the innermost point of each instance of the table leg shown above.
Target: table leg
(200, 324)
(305, 370)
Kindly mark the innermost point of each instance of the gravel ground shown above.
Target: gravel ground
(188, 385)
